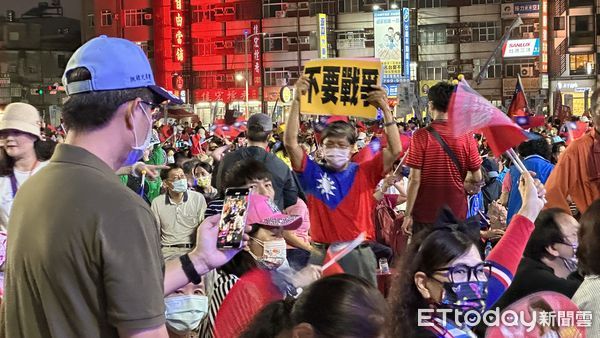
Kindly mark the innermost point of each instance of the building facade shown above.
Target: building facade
(574, 42)
(207, 50)
(34, 51)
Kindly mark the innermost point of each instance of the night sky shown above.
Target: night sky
(71, 8)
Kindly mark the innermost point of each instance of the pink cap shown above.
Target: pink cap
(262, 211)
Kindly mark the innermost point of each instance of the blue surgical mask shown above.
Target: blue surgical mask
(180, 185)
(184, 313)
(136, 151)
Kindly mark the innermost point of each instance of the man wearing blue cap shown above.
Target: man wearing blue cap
(84, 256)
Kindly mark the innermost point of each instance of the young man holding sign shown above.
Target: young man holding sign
(340, 192)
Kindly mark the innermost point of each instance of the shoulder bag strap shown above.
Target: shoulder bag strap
(446, 148)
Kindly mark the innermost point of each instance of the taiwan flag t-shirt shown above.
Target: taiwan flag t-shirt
(340, 203)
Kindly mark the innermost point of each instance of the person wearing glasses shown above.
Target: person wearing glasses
(340, 192)
(549, 262)
(443, 270)
(84, 257)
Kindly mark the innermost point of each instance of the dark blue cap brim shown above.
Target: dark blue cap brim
(163, 93)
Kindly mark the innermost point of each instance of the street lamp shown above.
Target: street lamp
(247, 37)
(239, 77)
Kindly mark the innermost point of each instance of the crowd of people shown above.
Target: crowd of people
(109, 224)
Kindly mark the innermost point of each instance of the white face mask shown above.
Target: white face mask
(184, 313)
(180, 185)
(274, 253)
(336, 157)
(137, 151)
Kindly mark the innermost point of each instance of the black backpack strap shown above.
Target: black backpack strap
(446, 148)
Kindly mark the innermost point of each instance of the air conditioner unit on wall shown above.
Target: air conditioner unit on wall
(526, 71)
(536, 27)
(148, 16)
(303, 39)
(528, 35)
(281, 82)
(280, 14)
(451, 69)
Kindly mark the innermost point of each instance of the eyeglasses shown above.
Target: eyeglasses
(462, 273)
(154, 109)
(567, 242)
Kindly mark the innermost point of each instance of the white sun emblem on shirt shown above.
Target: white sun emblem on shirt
(326, 186)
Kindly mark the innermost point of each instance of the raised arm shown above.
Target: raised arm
(292, 127)
(378, 99)
(505, 256)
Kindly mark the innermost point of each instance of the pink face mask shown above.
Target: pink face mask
(336, 157)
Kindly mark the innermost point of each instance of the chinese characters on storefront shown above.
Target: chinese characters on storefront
(256, 56)
(177, 23)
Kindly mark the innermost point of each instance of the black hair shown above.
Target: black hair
(244, 171)
(204, 165)
(537, 146)
(547, 232)
(256, 133)
(43, 151)
(439, 94)
(589, 237)
(93, 110)
(430, 250)
(164, 173)
(335, 306)
(189, 165)
(340, 129)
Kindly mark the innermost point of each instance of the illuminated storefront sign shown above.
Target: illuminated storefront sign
(322, 35)
(256, 56)
(544, 19)
(521, 48)
(406, 41)
(177, 24)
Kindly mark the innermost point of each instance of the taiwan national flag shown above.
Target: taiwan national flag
(470, 112)
(337, 251)
(518, 105)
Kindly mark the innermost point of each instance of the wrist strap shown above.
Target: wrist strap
(189, 269)
(387, 124)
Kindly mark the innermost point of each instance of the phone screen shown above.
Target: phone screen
(233, 218)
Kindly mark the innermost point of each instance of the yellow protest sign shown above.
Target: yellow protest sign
(340, 87)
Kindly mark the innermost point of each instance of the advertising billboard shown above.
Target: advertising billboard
(322, 35)
(524, 9)
(521, 48)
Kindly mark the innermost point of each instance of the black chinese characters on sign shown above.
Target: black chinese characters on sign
(341, 83)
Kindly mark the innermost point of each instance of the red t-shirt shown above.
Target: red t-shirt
(341, 204)
(441, 182)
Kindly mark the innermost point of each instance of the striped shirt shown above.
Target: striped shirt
(441, 181)
(215, 207)
(219, 291)
(587, 298)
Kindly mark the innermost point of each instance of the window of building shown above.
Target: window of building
(433, 70)
(494, 69)
(582, 23)
(559, 23)
(432, 3)
(433, 36)
(484, 2)
(525, 31)
(485, 31)
(106, 18)
(323, 6)
(523, 67)
(146, 47)
(133, 17)
(275, 42)
(278, 76)
(582, 64)
(351, 40)
(62, 61)
(90, 20)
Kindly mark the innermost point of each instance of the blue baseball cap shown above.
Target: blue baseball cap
(114, 64)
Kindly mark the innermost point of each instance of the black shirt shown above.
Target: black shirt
(534, 276)
(284, 181)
